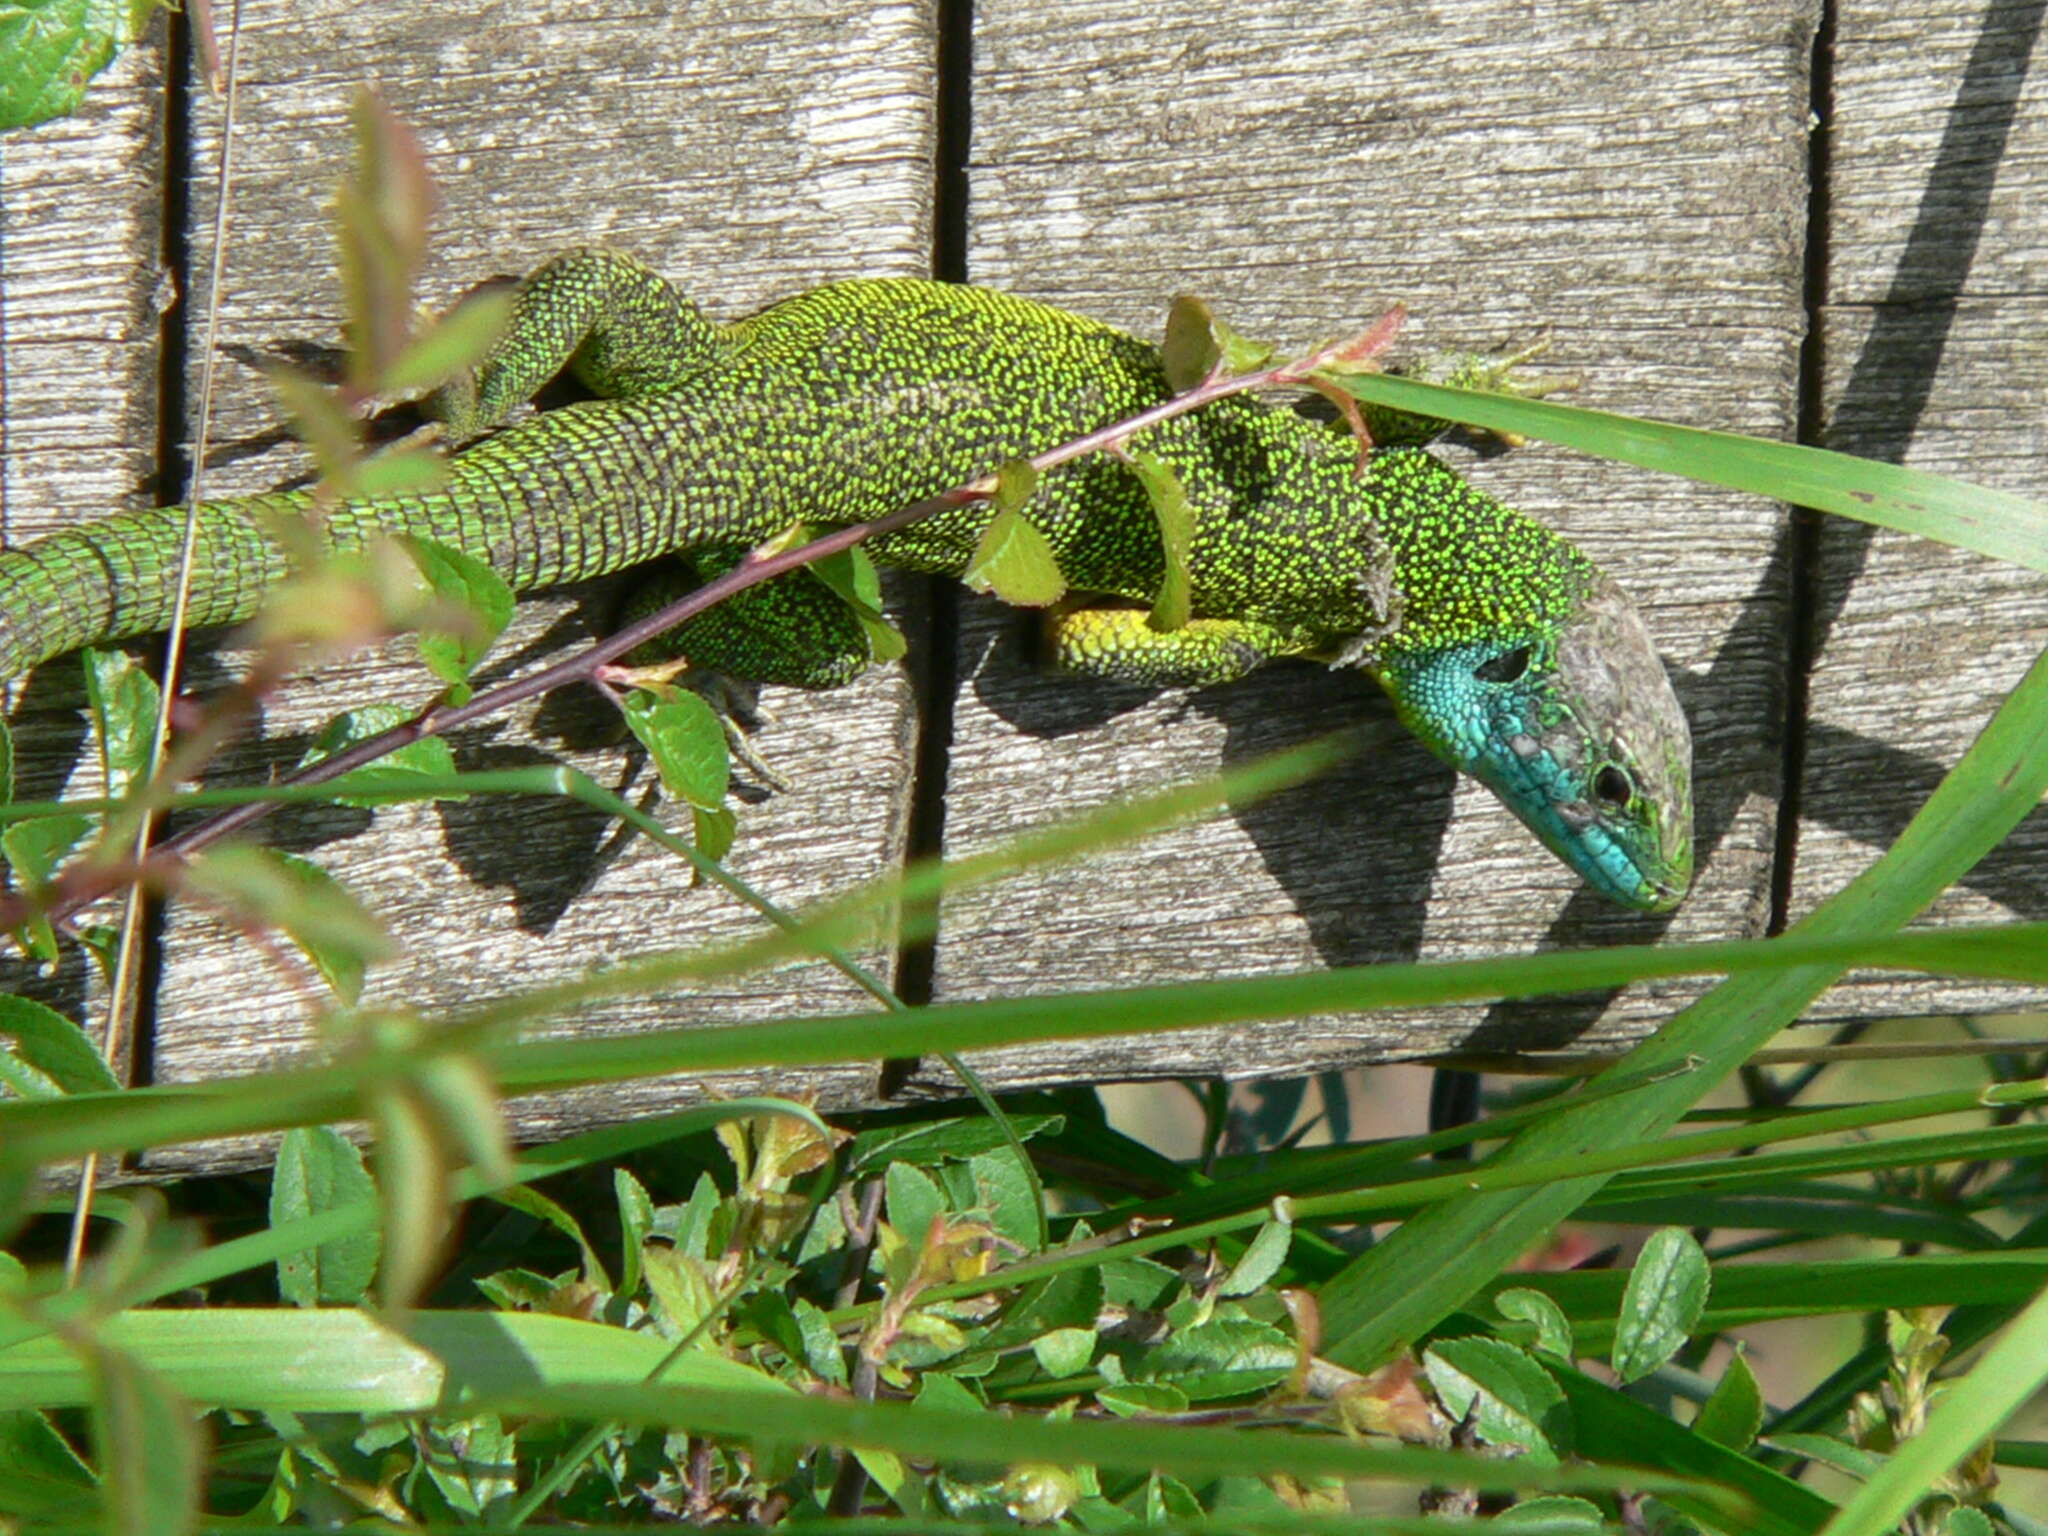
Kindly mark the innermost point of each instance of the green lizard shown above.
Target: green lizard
(1502, 647)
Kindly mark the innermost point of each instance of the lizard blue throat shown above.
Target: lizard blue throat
(1504, 649)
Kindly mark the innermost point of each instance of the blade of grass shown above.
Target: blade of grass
(1994, 523)
(1395, 1292)
(2002, 1381)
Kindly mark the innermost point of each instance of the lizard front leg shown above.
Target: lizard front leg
(1120, 644)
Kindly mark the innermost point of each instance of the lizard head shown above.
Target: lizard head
(1573, 723)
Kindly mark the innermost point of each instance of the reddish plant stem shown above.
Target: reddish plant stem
(71, 892)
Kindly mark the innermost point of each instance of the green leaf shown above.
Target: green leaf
(682, 1294)
(319, 1169)
(40, 1474)
(1016, 484)
(1064, 1351)
(34, 849)
(1175, 603)
(296, 896)
(49, 49)
(1223, 1357)
(931, 1142)
(474, 1462)
(50, 1054)
(124, 700)
(1966, 1521)
(382, 212)
(1014, 561)
(683, 735)
(1198, 343)
(398, 471)
(1971, 1409)
(716, 828)
(636, 1220)
(323, 424)
(1000, 1186)
(1261, 1259)
(1734, 1412)
(147, 1443)
(428, 757)
(1510, 1399)
(476, 605)
(1134, 1398)
(453, 343)
(911, 1200)
(1552, 1514)
(1665, 1295)
(523, 1197)
(1553, 1330)
(1991, 522)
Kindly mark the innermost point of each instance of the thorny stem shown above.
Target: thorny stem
(1354, 354)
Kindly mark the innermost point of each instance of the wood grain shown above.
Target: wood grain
(1628, 183)
(1934, 355)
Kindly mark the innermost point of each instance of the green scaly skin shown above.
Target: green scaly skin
(1502, 647)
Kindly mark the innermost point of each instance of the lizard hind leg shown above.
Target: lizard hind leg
(794, 630)
(1120, 644)
(619, 326)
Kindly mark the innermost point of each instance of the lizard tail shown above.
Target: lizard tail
(117, 578)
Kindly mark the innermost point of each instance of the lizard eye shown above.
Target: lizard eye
(1612, 786)
(1504, 668)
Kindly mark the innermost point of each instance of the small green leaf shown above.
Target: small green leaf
(636, 1220)
(684, 737)
(1554, 1514)
(930, 1142)
(34, 849)
(682, 1295)
(1665, 1295)
(1553, 1330)
(1223, 1357)
(477, 605)
(148, 1446)
(885, 640)
(1964, 1520)
(524, 1197)
(1016, 484)
(124, 700)
(300, 899)
(1064, 1351)
(1511, 1400)
(382, 213)
(399, 471)
(851, 574)
(473, 1462)
(1260, 1261)
(1198, 344)
(911, 1199)
(51, 48)
(717, 826)
(1175, 603)
(1734, 1411)
(50, 1054)
(456, 341)
(40, 1474)
(1143, 1397)
(1014, 561)
(428, 757)
(317, 1170)
(323, 424)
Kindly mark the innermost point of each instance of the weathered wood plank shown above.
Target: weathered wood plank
(1934, 356)
(80, 211)
(1629, 181)
(750, 152)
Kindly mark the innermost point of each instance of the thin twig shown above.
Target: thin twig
(77, 888)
